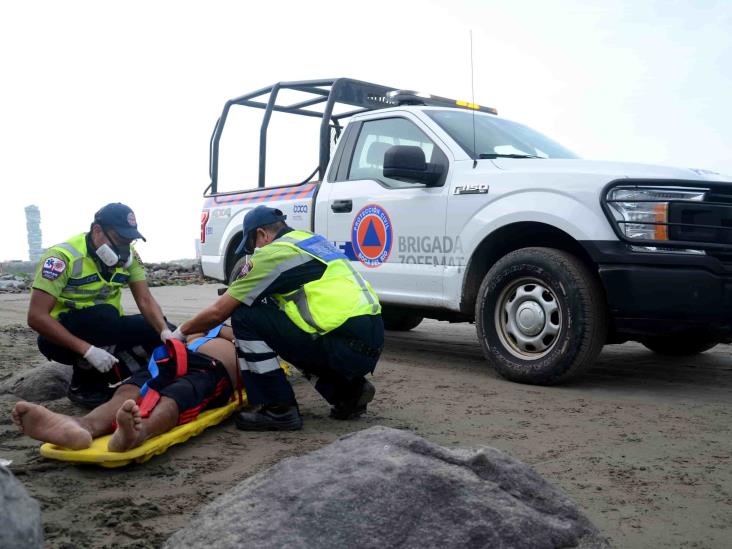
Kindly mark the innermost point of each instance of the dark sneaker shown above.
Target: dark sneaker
(89, 397)
(354, 409)
(267, 419)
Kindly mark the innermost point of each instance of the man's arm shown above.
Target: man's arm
(40, 319)
(148, 305)
(211, 316)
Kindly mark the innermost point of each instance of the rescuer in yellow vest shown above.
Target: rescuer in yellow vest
(76, 306)
(300, 298)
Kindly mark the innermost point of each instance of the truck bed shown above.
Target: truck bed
(224, 214)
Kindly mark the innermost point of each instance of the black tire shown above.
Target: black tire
(397, 321)
(234, 274)
(679, 344)
(549, 292)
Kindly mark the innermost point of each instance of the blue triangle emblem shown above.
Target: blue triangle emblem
(371, 238)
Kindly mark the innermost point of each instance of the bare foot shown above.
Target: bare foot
(129, 428)
(42, 424)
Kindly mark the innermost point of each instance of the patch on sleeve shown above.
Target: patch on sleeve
(52, 268)
(245, 269)
(137, 256)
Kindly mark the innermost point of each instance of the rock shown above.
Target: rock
(14, 282)
(387, 488)
(21, 515)
(47, 381)
(11, 284)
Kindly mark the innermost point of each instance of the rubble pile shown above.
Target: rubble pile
(17, 277)
(14, 283)
(178, 273)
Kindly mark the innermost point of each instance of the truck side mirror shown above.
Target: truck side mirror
(407, 163)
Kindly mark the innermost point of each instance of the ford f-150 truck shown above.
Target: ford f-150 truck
(454, 213)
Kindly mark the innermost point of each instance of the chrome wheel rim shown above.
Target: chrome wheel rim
(528, 319)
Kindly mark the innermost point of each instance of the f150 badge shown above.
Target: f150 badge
(470, 189)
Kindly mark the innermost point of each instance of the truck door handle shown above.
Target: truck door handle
(342, 206)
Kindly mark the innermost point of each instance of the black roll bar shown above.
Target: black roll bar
(364, 96)
(328, 93)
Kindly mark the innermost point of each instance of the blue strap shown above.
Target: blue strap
(158, 354)
(212, 334)
(162, 352)
(319, 247)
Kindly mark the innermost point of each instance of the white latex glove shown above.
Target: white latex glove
(177, 334)
(100, 359)
(165, 335)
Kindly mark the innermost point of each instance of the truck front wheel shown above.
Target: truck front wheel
(541, 316)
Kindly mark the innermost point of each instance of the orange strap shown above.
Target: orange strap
(177, 351)
(148, 402)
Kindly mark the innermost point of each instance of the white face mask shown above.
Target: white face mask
(110, 258)
(107, 255)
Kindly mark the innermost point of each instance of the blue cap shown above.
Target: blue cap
(258, 217)
(119, 217)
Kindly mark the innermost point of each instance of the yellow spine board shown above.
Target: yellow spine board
(98, 454)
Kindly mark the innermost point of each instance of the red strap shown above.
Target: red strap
(148, 402)
(177, 351)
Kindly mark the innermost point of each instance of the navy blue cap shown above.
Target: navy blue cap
(119, 217)
(258, 217)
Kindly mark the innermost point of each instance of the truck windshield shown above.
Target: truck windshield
(496, 137)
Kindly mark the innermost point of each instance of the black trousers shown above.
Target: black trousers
(339, 360)
(102, 326)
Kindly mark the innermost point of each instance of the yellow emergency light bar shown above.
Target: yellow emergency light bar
(467, 105)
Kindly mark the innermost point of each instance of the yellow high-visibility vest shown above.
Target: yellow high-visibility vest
(85, 287)
(341, 293)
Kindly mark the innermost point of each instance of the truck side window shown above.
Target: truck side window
(375, 139)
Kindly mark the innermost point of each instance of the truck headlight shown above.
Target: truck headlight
(642, 214)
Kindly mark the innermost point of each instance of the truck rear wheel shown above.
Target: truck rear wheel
(540, 316)
(678, 344)
(236, 269)
(399, 321)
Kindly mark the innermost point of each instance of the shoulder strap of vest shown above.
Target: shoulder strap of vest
(77, 257)
(314, 245)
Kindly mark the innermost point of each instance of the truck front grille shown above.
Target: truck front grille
(700, 222)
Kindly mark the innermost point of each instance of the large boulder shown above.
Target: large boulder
(20, 515)
(47, 381)
(388, 488)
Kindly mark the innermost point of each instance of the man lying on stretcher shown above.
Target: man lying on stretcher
(204, 385)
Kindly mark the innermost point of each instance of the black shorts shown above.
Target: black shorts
(206, 385)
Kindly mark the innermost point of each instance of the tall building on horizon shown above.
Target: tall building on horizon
(33, 225)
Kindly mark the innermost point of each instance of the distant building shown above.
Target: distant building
(33, 225)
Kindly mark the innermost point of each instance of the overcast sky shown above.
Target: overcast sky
(105, 102)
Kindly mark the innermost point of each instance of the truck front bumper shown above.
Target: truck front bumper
(652, 293)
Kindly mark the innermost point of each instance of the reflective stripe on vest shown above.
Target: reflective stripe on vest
(375, 307)
(301, 301)
(78, 258)
(296, 261)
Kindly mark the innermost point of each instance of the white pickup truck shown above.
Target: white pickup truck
(456, 214)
